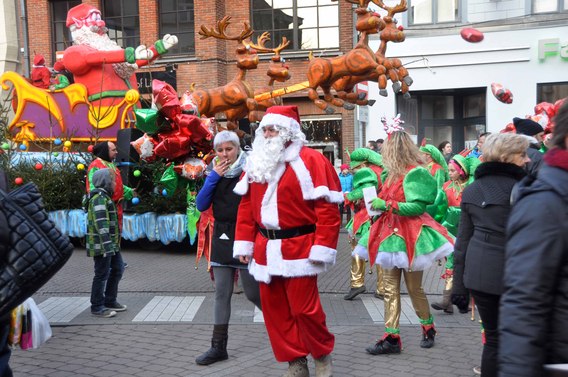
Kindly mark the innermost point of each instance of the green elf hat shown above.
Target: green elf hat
(436, 155)
(467, 164)
(361, 155)
(364, 177)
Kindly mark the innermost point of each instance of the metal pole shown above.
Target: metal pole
(26, 49)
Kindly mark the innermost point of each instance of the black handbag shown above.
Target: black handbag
(34, 249)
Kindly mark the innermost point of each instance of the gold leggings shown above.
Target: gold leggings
(392, 296)
(358, 274)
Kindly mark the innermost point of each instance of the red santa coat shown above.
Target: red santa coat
(305, 190)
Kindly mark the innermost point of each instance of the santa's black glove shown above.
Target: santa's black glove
(461, 301)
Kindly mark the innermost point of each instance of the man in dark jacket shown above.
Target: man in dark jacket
(534, 132)
(534, 317)
(5, 352)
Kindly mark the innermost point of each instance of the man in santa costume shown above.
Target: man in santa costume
(287, 230)
(41, 76)
(99, 63)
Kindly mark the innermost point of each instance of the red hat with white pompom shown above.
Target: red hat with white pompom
(282, 116)
(79, 13)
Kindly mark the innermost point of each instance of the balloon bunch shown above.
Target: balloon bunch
(172, 132)
(544, 113)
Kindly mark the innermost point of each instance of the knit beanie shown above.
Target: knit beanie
(527, 126)
(101, 151)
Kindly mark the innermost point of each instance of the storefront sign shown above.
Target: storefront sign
(144, 80)
(548, 48)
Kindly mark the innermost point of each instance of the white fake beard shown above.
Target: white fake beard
(89, 36)
(262, 161)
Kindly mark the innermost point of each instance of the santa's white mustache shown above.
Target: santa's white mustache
(98, 29)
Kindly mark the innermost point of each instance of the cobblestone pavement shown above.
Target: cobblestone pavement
(170, 312)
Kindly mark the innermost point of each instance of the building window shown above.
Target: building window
(123, 22)
(545, 6)
(60, 34)
(177, 18)
(551, 92)
(308, 24)
(433, 11)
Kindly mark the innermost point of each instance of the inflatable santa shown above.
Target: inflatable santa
(99, 63)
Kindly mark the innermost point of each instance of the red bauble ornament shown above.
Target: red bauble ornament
(19, 181)
(38, 166)
(90, 148)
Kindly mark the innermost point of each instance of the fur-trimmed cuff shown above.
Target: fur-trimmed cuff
(243, 248)
(242, 186)
(322, 254)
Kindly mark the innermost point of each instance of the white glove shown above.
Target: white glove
(143, 53)
(169, 41)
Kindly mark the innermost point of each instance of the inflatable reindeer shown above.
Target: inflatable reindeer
(396, 72)
(277, 71)
(360, 62)
(235, 99)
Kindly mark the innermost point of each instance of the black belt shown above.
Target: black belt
(279, 234)
(492, 238)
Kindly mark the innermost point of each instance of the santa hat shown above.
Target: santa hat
(79, 12)
(527, 126)
(39, 59)
(282, 116)
(59, 66)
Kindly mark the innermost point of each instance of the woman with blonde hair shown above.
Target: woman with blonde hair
(405, 240)
(479, 254)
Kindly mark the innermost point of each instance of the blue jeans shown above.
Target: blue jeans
(108, 272)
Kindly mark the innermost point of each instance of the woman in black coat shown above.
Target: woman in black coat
(480, 245)
(217, 192)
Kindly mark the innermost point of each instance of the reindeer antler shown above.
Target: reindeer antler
(260, 44)
(361, 3)
(220, 32)
(400, 7)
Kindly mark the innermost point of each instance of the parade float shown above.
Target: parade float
(51, 131)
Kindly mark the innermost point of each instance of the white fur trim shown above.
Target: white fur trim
(292, 151)
(281, 121)
(389, 261)
(277, 266)
(242, 248)
(399, 259)
(242, 186)
(423, 262)
(269, 205)
(309, 192)
(360, 251)
(324, 254)
(259, 272)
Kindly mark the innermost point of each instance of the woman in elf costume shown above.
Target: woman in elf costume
(363, 158)
(461, 171)
(438, 167)
(405, 240)
(358, 228)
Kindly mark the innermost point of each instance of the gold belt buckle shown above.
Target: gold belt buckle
(271, 234)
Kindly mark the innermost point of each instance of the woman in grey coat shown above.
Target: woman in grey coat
(480, 245)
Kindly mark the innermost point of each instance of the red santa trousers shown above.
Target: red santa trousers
(294, 318)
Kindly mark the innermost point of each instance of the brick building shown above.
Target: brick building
(323, 27)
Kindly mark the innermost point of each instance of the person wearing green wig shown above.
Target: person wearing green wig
(438, 167)
(363, 158)
(461, 171)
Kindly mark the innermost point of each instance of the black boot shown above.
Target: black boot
(218, 350)
(388, 344)
(428, 336)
